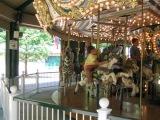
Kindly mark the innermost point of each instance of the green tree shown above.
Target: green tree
(33, 45)
(2, 35)
(2, 41)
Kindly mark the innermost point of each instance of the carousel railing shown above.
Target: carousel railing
(39, 110)
(17, 105)
(36, 81)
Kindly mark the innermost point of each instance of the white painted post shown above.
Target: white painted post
(13, 104)
(2, 77)
(1, 90)
(104, 111)
(23, 82)
(37, 80)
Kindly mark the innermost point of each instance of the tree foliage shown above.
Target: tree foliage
(34, 44)
(2, 35)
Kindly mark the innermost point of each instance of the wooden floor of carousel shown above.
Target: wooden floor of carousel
(130, 108)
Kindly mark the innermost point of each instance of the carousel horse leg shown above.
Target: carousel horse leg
(65, 83)
(135, 90)
(129, 84)
(72, 77)
(90, 89)
(107, 80)
(62, 82)
(80, 84)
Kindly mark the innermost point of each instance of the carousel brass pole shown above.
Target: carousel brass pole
(78, 45)
(92, 31)
(113, 35)
(97, 46)
(141, 67)
(125, 44)
(69, 34)
(92, 35)
(98, 27)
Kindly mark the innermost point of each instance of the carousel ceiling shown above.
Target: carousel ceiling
(108, 18)
(117, 18)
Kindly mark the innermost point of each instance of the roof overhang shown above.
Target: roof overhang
(8, 14)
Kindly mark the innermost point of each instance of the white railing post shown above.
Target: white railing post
(1, 89)
(23, 82)
(104, 111)
(13, 104)
(37, 80)
(2, 77)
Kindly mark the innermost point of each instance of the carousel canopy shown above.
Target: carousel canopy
(110, 19)
(82, 15)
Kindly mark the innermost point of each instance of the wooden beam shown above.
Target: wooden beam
(4, 24)
(7, 13)
(110, 24)
(24, 5)
(155, 4)
(129, 11)
(30, 20)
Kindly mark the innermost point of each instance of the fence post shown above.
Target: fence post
(23, 82)
(37, 80)
(104, 111)
(2, 77)
(13, 104)
(1, 90)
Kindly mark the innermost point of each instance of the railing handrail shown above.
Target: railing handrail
(33, 74)
(44, 104)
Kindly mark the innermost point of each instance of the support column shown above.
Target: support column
(12, 52)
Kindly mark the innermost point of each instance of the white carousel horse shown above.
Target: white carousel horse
(83, 82)
(130, 67)
(126, 75)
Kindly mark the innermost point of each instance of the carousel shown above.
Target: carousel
(109, 26)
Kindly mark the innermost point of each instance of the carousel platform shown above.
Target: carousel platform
(81, 101)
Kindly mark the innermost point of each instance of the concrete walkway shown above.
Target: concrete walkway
(1, 114)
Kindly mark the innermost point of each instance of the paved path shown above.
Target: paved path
(1, 114)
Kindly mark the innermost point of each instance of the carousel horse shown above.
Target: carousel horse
(67, 70)
(126, 76)
(122, 71)
(98, 72)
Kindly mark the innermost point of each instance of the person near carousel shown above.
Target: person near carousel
(136, 56)
(91, 63)
(135, 51)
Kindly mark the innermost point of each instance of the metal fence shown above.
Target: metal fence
(36, 81)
